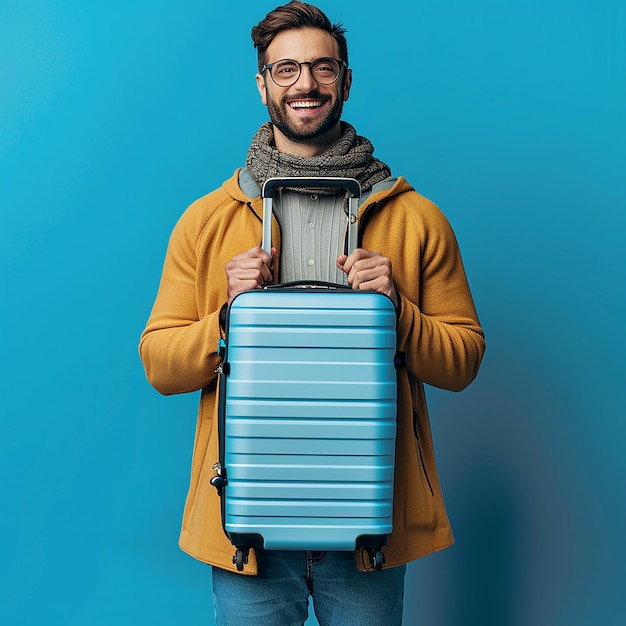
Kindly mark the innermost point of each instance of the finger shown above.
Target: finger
(364, 278)
(369, 269)
(251, 260)
(237, 274)
(255, 253)
(356, 256)
(242, 274)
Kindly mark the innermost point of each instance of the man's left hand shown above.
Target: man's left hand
(369, 270)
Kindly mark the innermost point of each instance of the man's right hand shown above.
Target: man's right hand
(249, 270)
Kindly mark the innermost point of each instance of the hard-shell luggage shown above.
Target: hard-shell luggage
(307, 412)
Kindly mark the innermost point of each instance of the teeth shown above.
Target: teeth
(305, 104)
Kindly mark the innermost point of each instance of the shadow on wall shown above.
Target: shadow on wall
(513, 527)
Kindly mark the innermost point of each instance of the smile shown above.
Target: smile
(305, 104)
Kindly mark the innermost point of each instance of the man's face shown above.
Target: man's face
(306, 112)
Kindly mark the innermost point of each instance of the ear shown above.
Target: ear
(347, 83)
(262, 87)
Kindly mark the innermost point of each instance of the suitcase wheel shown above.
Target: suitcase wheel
(377, 558)
(240, 558)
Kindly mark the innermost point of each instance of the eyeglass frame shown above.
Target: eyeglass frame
(269, 66)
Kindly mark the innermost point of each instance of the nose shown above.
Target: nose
(305, 80)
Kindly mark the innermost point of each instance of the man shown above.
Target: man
(408, 252)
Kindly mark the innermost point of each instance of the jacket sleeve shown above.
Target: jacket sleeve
(178, 347)
(438, 326)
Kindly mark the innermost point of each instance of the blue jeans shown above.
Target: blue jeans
(279, 595)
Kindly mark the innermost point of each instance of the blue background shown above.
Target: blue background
(114, 116)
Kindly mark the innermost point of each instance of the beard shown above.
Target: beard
(305, 129)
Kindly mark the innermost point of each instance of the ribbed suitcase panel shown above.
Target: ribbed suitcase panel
(310, 418)
(294, 337)
(267, 510)
(309, 389)
(320, 447)
(327, 468)
(309, 490)
(251, 369)
(300, 409)
(263, 428)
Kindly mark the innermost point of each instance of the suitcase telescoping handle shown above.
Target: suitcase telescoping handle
(351, 185)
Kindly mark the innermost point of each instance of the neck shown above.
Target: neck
(307, 148)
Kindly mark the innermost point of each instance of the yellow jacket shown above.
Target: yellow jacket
(438, 329)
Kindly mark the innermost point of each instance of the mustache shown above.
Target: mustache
(309, 95)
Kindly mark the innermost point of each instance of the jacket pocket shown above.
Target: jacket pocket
(419, 509)
(424, 471)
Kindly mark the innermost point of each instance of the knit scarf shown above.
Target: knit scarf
(351, 157)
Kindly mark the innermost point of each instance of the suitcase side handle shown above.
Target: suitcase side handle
(351, 185)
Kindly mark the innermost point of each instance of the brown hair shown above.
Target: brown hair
(295, 14)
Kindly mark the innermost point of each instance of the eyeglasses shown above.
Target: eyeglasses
(286, 72)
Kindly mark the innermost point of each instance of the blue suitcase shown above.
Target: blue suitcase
(307, 414)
